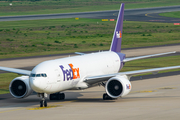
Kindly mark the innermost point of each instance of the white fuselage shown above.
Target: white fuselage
(69, 73)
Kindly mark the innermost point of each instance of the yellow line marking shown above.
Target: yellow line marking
(147, 91)
(104, 19)
(12, 110)
(53, 105)
(156, 89)
(147, 14)
(40, 108)
(144, 91)
(115, 14)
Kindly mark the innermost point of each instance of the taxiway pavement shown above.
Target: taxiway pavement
(142, 14)
(150, 99)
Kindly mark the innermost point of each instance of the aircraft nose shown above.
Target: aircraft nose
(35, 84)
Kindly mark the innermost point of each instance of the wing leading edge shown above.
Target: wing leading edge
(102, 78)
(14, 70)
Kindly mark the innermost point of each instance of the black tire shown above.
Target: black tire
(45, 103)
(53, 97)
(105, 96)
(62, 96)
(41, 103)
(50, 97)
(58, 96)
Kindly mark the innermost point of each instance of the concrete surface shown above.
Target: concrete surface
(142, 14)
(150, 99)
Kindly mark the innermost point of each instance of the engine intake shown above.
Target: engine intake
(118, 86)
(115, 88)
(19, 87)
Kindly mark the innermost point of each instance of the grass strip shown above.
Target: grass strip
(64, 6)
(55, 36)
(171, 14)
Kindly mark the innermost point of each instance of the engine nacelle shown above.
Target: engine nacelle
(118, 86)
(20, 88)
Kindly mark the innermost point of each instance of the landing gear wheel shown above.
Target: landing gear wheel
(43, 101)
(62, 96)
(58, 97)
(107, 97)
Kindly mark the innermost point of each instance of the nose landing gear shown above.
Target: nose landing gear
(43, 102)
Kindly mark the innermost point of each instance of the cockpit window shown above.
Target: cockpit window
(33, 75)
(38, 75)
(43, 75)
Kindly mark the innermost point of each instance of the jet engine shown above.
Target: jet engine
(20, 88)
(118, 86)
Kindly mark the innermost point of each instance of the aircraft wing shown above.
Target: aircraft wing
(96, 79)
(14, 70)
(146, 56)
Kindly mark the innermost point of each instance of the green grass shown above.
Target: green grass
(64, 6)
(171, 14)
(6, 78)
(54, 36)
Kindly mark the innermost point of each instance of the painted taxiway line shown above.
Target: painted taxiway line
(156, 89)
(60, 104)
(11, 110)
(36, 107)
(40, 108)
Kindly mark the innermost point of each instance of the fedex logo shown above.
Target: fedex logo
(128, 86)
(71, 73)
(118, 34)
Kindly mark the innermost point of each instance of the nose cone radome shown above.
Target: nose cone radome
(36, 85)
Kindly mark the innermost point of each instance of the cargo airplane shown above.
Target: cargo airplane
(81, 72)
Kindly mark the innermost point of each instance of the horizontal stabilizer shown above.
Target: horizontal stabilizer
(146, 56)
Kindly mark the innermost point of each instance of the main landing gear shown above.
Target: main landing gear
(43, 101)
(57, 96)
(107, 97)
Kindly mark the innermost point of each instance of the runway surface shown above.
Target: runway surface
(150, 99)
(143, 14)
